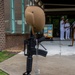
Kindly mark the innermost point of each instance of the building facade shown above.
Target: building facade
(13, 28)
(12, 24)
(2, 26)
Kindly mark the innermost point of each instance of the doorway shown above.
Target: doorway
(56, 26)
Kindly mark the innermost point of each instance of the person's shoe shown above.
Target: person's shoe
(69, 38)
(66, 38)
(62, 39)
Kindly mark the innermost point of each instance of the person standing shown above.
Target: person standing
(67, 29)
(74, 27)
(62, 30)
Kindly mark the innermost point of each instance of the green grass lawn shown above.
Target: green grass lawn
(3, 73)
(3, 56)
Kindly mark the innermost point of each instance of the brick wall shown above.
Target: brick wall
(2, 26)
(15, 41)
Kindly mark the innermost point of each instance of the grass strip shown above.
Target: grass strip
(3, 73)
(5, 55)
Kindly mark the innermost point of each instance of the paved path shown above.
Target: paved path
(59, 61)
(59, 47)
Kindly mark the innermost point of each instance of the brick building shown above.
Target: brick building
(2, 25)
(13, 28)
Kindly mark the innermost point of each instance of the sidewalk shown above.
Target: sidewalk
(60, 60)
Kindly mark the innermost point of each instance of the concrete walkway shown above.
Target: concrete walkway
(60, 60)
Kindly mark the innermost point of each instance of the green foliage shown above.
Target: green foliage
(71, 21)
